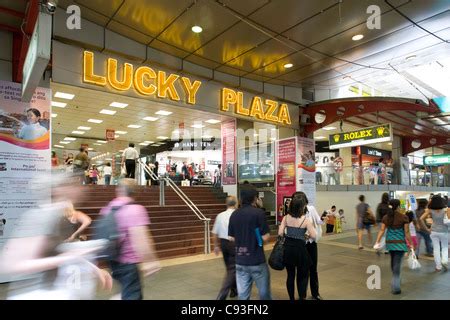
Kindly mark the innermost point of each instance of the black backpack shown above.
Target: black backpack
(106, 228)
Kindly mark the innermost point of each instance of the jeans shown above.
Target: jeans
(246, 275)
(311, 248)
(129, 279)
(428, 243)
(396, 267)
(107, 179)
(440, 246)
(229, 257)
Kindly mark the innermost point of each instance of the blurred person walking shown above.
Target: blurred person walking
(136, 253)
(55, 160)
(364, 220)
(107, 173)
(80, 164)
(437, 210)
(220, 231)
(423, 231)
(296, 259)
(396, 226)
(248, 229)
(129, 157)
(382, 210)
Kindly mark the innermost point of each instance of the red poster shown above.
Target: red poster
(110, 135)
(229, 152)
(286, 152)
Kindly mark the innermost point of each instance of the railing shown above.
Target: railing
(186, 200)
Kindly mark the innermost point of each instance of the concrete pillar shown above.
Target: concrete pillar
(397, 153)
(346, 176)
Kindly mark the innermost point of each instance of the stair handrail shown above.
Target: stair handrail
(186, 200)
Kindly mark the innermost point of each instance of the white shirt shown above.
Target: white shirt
(32, 131)
(313, 215)
(412, 229)
(221, 224)
(130, 153)
(107, 170)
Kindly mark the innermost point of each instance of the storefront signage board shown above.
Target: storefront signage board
(437, 160)
(376, 134)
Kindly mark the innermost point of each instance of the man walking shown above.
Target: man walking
(249, 230)
(136, 246)
(129, 157)
(220, 231)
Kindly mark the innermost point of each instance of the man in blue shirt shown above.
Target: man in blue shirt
(248, 228)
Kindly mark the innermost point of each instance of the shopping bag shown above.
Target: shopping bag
(276, 258)
(123, 171)
(413, 263)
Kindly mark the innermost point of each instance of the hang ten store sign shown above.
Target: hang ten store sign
(146, 81)
(381, 133)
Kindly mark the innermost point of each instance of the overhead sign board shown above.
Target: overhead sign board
(438, 160)
(38, 55)
(380, 133)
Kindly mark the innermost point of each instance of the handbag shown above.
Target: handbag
(368, 219)
(276, 258)
(413, 263)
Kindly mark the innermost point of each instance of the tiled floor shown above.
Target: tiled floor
(342, 275)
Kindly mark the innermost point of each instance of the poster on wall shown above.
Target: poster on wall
(229, 152)
(404, 171)
(285, 174)
(306, 168)
(24, 153)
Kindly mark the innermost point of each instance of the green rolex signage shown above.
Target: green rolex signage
(381, 133)
(438, 160)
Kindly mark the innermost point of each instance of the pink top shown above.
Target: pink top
(127, 217)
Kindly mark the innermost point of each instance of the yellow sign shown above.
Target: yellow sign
(145, 80)
(260, 109)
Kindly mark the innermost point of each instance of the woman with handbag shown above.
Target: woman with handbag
(296, 259)
(437, 210)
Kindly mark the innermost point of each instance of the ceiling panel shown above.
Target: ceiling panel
(107, 8)
(167, 48)
(129, 32)
(244, 7)
(202, 61)
(232, 71)
(98, 17)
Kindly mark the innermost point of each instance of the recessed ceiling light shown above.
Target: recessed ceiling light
(54, 115)
(357, 37)
(320, 137)
(70, 139)
(64, 142)
(197, 29)
(213, 121)
(134, 126)
(411, 57)
(163, 112)
(162, 138)
(84, 128)
(150, 118)
(106, 111)
(95, 120)
(58, 146)
(329, 128)
(197, 126)
(121, 132)
(78, 132)
(118, 105)
(97, 144)
(288, 65)
(102, 141)
(63, 95)
(59, 104)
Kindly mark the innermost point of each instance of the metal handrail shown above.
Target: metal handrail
(187, 201)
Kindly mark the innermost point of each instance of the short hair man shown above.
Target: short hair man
(248, 228)
(129, 157)
(220, 231)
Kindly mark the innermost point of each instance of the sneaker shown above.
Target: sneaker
(318, 297)
(396, 291)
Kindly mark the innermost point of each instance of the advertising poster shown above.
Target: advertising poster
(229, 152)
(404, 171)
(285, 174)
(24, 153)
(306, 168)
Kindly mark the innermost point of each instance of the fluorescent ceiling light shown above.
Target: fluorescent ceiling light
(207, 137)
(90, 149)
(288, 65)
(54, 115)
(106, 111)
(329, 128)
(434, 75)
(357, 37)
(58, 146)
(63, 95)
(197, 29)
(118, 105)
(78, 132)
(255, 134)
(64, 142)
(84, 128)
(102, 141)
(320, 137)
(134, 126)
(144, 144)
(197, 126)
(95, 120)
(150, 118)
(162, 137)
(116, 136)
(59, 104)
(161, 143)
(163, 112)
(97, 144)
(70, 139)
(213, 121)
(121, 132)
(149, 142)
(390, 143)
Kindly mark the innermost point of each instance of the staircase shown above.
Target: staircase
(175, 228)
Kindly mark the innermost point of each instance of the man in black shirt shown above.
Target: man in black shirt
(248, 228)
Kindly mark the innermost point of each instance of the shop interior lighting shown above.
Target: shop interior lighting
(64, 95)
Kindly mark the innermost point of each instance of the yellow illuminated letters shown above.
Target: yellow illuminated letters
(271, 107)
(283, 114)
(190, 89)
(88, 70)
(240, 105)
(256, 110)
(144, 74)
(166, 85)
(228, 97)
(127, 75)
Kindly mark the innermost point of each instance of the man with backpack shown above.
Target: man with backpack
(131, 249)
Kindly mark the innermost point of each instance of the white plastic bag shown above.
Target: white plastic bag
(413, 263)
(123, 171)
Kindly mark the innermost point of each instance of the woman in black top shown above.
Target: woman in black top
(293, 228)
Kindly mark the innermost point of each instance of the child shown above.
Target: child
(93, 175)
(341, 214)
(412, 228)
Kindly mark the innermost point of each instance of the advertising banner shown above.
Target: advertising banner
(381, 133)
(24, 153)
(285, 179)
(404, 171)
(229, 152)
(306, 168)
